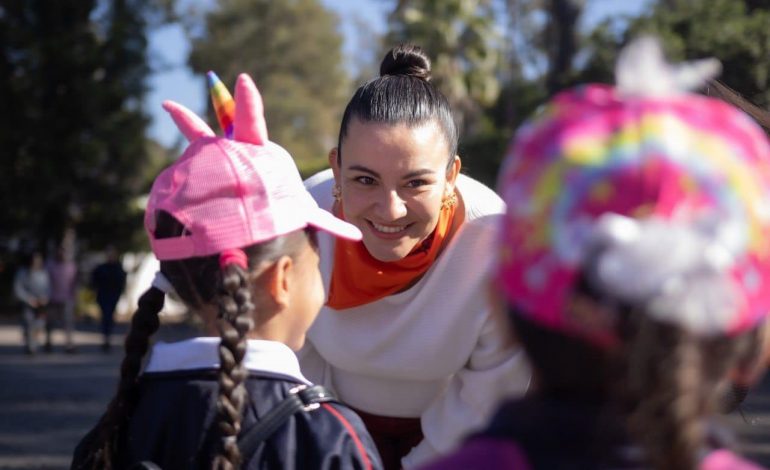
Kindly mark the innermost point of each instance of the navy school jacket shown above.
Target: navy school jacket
(174, 423)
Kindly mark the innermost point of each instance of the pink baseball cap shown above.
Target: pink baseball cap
(673, 187)
(232, 193)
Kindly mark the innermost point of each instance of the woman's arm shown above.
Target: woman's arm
(496, 369)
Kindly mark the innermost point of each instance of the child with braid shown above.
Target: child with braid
(235, 232)
(634, 265)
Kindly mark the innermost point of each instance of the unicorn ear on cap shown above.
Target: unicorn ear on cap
(249, 124)
(223, 102)
(187, 121)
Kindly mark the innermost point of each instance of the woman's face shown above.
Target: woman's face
(393, 179)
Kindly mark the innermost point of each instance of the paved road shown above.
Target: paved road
(47, 402)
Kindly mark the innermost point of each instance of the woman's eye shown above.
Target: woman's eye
(367, 180)
(416, 183)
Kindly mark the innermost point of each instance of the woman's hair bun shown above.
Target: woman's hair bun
(406, 59)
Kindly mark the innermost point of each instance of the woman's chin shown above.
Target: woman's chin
(385, 252)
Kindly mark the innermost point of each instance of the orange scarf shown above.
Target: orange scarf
(358, 278)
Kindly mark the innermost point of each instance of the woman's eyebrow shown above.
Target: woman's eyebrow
(417, 173)
(411, 174)
(363, 169)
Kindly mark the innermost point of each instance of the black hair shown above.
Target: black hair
(661, 379)
(402, 94)
(198, 282)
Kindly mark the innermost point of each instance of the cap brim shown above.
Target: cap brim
(327, 222)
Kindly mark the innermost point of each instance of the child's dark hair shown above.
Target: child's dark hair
(402, 94)
(661, 379)
(198, 282)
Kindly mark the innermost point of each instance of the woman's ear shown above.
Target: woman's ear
(276, 279)
(334, 163)
(452, 172)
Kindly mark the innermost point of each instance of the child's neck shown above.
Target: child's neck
(274, 328)
(277, 330)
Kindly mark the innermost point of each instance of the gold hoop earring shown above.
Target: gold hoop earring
(337, 192)
(449, 201)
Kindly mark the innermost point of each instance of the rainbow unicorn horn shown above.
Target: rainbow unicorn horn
(224, 105)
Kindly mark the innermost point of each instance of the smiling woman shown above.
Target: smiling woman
(396, 206)
(407, 336)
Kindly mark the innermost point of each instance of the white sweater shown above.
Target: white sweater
(434, 351)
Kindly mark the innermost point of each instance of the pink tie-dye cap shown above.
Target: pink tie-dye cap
(230, 194)
(666, 196)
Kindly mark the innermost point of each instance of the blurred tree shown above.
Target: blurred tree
(543, 41)
(366, 63)
(293, 51)
(73, 131)
(734, 31)
(562, 39)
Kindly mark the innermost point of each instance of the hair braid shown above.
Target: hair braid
(144, 324)
(235, 308)
(665, 383)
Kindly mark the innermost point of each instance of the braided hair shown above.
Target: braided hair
(672, 379)
(662, 381)
(199, 282)
(236, 319)
(144, 324)
(235, 322)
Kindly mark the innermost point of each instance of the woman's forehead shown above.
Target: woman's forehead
(386, 147)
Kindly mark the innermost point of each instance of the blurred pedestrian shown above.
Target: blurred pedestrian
(108, 280)
(32, 288)
(62, 272)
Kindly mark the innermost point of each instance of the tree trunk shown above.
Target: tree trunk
(562, 39)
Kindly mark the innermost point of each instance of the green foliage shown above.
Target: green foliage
(73, 131)
(483, 152)
(723, 29)
(293, 51)
(733, 31)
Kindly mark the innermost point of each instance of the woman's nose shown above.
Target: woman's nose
(392, 206)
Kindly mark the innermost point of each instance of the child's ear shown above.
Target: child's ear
(334, 163)
(748, 371)
(277, 281)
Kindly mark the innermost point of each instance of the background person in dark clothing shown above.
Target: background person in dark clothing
(108, 280)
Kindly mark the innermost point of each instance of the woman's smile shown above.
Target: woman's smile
(389, 231)
(392, 181)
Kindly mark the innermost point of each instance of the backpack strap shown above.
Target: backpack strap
(301, 398)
